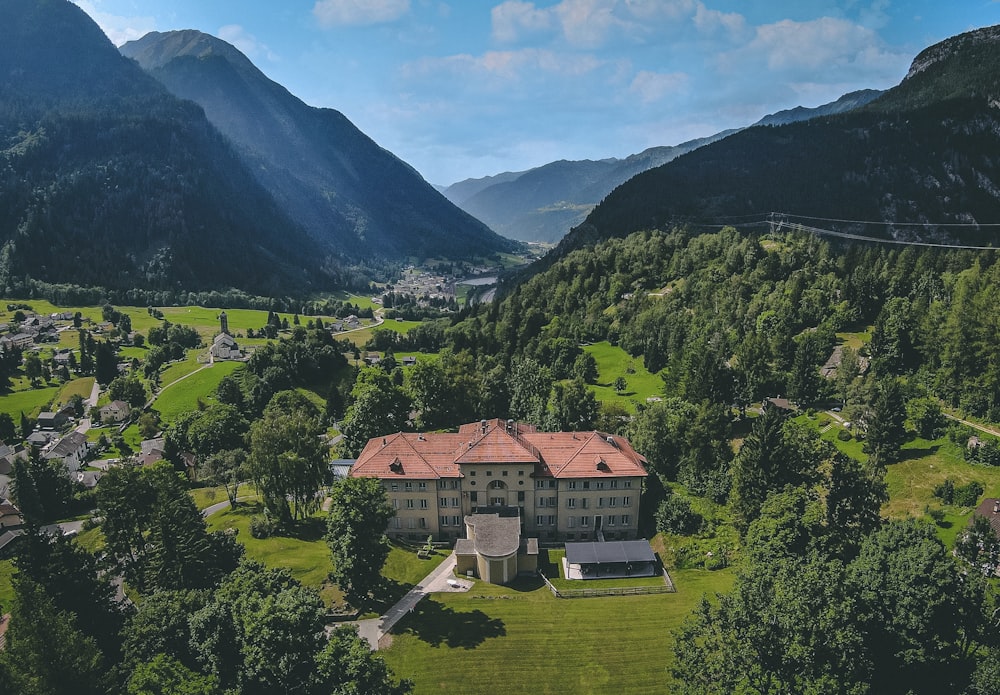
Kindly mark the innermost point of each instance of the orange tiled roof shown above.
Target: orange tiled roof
(552, 454)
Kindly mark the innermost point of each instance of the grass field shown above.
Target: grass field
(175, 370)
(6, 588)
(29, 402)
(182, 396)
(77, 387)
(520, 639)
(613, 362)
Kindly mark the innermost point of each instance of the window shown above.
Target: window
(423, 504)
(552, 483)
(586, 484)
(423, 522)
(498, 501)
(454, 501)
(599, 485)
(442, 484)
(520, 495)
(407, 485)
(571, 522)
(456, 520)
(505, 474)
(489, 474)
(539, 484)
(614, 483)
(443, 502)
(397, 522)
(570, 484)
(552, 520)
(611, 520)
(411, 523)
(444, 520)
(421, 486)
(520, 474)
(585, 503)
(552, 501)
(627, 483)
(600, 501)
(409, 504)
(541, 501)
(584, 521)
(472, 473)
(626, 501)
(473, 496)
(454, 484)
(626, 519)
(539, 520)
(571, 503)
(393, 486)
(395, 504)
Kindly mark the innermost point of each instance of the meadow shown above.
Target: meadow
(613, 362)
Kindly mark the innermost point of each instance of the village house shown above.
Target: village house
(560, 485)
(71, 450)
(115, 411)
(20, 341)
(10, 516)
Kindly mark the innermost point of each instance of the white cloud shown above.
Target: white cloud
(356, 12)
(117, 28)
(513, 19)
(828, 44)
(652, 86)
(505, 65)
(247, 43)
(709, 21)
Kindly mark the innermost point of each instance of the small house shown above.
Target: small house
(115, 411)
(71, 450)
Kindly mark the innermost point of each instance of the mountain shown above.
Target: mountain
(352, 196)
(542, 204)
(107, 180)
(914, 163)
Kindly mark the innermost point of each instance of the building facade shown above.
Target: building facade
(565, 485)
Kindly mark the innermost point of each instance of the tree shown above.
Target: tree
(885, 423)
(379, 407)
(288, 461)
(355, 532)
(105, 363)
(46, 653)
(585, 367)
(530, 384)
(160, 625)
(430, 391)
(927, 417)
(33, 366)
(572, 407)
(8, 430)
(164, 675)
(149, 424)
(620, 385)
(128, 389)
(228, 468)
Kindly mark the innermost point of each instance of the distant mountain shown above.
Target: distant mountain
(917, 161)
(542, 204)
(107, 180)
(352, 196)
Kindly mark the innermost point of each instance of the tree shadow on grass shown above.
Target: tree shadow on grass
(436, 624)
(917, 452)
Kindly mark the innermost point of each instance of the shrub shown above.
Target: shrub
(717, 561)
(675, 515)
(844, 436)
(261, 526)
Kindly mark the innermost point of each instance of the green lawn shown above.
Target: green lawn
(182, 396)
(613, 362)
(175, 370)
(304, 554)
(522, 639)
(6, 587)
(30, 402)
(77, 387)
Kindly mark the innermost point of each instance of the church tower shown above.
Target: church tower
(224, 323)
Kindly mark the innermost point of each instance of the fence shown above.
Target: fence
(667, 588)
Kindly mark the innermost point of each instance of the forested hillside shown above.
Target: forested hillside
(913, 164)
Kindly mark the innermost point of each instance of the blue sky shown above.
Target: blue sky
(468, 88)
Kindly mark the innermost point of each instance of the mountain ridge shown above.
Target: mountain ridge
(350, 194)
(543, 203)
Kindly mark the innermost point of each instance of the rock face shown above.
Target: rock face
(352, 196)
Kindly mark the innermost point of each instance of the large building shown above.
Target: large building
(565, 485)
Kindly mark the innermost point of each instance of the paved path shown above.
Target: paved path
(374, 629)
(981, 428)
